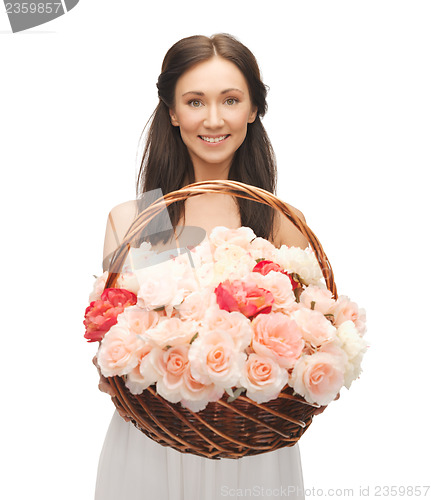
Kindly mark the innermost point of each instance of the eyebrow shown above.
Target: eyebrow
(197, 92)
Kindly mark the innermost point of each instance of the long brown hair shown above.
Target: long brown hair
(166, 163)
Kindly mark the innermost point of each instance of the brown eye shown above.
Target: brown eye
(231, 101)
(194, 101)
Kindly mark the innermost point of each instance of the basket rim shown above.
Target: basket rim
(235, 188)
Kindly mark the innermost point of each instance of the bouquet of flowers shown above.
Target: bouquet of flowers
(233, 314)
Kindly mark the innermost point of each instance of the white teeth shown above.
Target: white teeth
(212, 139)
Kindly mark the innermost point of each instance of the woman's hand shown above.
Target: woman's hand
(105, 386)
(322, 408)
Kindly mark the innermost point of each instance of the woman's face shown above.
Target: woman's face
(212, 110)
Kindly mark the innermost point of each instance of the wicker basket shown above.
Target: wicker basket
(222, 430)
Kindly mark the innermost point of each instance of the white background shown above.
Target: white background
(349, 119)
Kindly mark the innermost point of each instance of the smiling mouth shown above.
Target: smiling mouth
(213, 140)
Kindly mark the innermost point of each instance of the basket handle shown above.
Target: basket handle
(235, 188)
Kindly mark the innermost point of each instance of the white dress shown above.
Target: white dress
(134, 467)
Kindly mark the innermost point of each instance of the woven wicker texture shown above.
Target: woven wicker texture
(222, 430)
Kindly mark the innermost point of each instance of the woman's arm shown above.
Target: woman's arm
(119, 220)
(287, 233)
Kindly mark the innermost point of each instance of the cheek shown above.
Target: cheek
(189, 122)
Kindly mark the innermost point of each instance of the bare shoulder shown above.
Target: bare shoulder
(286, 233)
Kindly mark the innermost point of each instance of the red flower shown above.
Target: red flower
(246, 298)
(101, 314)
(265, 266)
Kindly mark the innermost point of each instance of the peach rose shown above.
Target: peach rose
(260, 247)
(117, 354)
(129, 281)
(278, 337)
(171, 331)
(344, 310)
(321, 297)
(234, 323)
(241, 236)
(138, 320)
(315, 328)
(195, 305)
(171, 365)
(197, 395)
(215, 359)
(318, 378)
(263, 378)
(98, 287)
(280, 286)
(144, 374)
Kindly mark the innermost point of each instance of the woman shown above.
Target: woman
(206, 126)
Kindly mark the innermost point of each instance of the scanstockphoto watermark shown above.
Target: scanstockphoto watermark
(366, 491)
(24, 15)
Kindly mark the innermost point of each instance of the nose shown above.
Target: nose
(214, 117)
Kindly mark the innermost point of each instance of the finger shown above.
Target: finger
(106, 387)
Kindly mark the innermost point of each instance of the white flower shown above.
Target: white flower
(355, 347)
(161, 286)
(171, 331)
(299, 261)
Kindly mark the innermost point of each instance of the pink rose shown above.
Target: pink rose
(280, 287)
(344, 310)
(241, 236)
(170, 332)
(260, 247)
(214, 358)
(263, 378)
(318, 378)
(117, 354)
(143, 374)
(197, 395)
(194, 305)
(314, 326)
(171, 365)
(278, 337)
(266, 266)
(138, 320)
(234, 323)
(243, 296)
(102, 314)
(321, 297)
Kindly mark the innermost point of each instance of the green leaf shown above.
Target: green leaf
(236, 393)
(194, 337)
